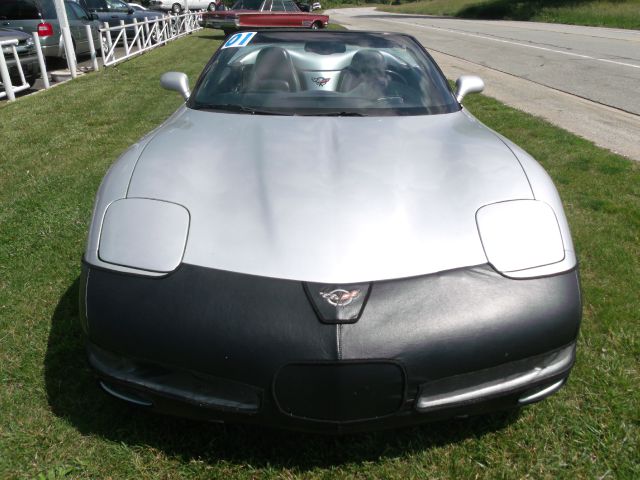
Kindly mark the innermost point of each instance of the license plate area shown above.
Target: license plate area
(340, 392)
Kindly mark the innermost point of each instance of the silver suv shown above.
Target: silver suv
(40, 16)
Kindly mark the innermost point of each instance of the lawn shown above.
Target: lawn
(601, 13)
(56, 423)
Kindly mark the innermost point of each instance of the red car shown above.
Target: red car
(263, 14)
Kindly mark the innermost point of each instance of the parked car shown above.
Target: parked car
(115, 11)
(308, 7)
(26, 55)
(178, 6)
(392, 262)
(40, 16)
(248, 14)
(304, 7)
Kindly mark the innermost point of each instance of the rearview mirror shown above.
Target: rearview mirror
(466, 84)
(177, 81)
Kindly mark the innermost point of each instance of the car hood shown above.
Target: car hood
(329, 199)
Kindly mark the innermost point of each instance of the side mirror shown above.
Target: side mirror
(177, 81)
(130, 11)
(93, 16)
(466, 84)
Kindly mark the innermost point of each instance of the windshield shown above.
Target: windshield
(247, 5)
(323, 73)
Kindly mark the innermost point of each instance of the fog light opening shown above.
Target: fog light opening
(538, 393)
(126, 396)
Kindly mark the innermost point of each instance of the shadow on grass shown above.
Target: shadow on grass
(74, 395)
(510, 10)
(405, 16)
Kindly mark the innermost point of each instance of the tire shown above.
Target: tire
(75, 49)
(155, 38)
(211, 7)
(31, 79)
(316, 26)
(176, 8)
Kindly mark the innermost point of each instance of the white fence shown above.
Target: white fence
(138, 37)
(11, 90)
(118, 44)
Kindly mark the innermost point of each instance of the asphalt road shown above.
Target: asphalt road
(585, 79)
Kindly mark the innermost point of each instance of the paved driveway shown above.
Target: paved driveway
(584, 79)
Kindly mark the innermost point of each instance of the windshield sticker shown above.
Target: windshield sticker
(241, 39)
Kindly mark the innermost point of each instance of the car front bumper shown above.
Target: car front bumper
(229, 347)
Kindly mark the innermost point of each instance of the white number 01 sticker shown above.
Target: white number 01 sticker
(240, 39)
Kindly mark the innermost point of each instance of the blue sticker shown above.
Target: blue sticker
(240, 39)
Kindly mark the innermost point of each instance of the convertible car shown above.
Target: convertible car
(392, 262)
(252, 14)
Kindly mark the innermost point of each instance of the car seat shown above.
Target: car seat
(367, 69)
(274, 71)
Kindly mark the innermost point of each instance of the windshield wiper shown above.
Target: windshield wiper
(231, 107)
(339, 114)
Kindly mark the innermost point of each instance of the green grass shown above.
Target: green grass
(604, 13)
(430, 7)
(56, 423)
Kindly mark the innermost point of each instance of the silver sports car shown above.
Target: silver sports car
(323, 238)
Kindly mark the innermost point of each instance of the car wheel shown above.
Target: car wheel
(176, 8)
(211, 7)
(155, 38)
(31, 79)
(75, 49)
(316, 26)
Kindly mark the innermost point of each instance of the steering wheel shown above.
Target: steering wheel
(396, 77)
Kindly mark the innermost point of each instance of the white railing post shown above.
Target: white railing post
(123, 31)
(19, 66)
(166, 29)
(136, 34)
(103, 46)
(146, 39)
(92, 48)
(109, 41)
(67, 41)
(4, 74)
(43, 66)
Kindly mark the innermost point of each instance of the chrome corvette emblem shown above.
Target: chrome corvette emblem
(340, 297)
(338, 303)
(320, 81)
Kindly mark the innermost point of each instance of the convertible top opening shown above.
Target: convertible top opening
(320, 73)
